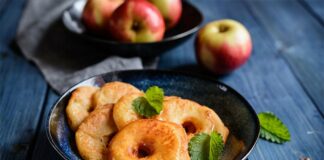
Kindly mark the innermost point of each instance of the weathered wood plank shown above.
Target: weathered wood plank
(266, 81)
(298, 37)
(42, 148)
(299, 40)
(22, 89)
(10, 11)
(316, 7)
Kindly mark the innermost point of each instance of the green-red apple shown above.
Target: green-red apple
(137, 21)
(96, 13)
(170, 9)
(222, 46)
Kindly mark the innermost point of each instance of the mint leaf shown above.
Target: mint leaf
(206, 147)
(151, 104)
(141, 106)
(154, 95)
(216, 146)
(199, 147)
(272, 129)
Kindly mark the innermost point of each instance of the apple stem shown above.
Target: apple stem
(136, 26)
(223, 28)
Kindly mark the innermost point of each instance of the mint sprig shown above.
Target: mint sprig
(154, 96)
(272, 129)
(216, 146)
(206, 147)
(150, 104)
(199, 147)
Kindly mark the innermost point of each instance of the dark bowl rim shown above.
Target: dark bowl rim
(164, 40)
(192, 75)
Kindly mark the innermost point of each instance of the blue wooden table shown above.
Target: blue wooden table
(284, 75)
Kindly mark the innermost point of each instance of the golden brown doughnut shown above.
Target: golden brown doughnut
(193, 117)
(112, 91)
(93, 135)
(123, 110)
(80, 105)
(149, 139)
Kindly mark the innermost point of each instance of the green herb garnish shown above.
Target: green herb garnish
(216, 146)
(206, 147)
(272, 129)
(151, 103)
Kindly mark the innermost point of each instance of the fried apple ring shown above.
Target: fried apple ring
(112, 91)
(149, 139)
(123, 110)
(93, 135)
(193, 117)
(80, 105)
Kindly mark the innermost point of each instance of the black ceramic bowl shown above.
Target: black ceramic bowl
(189, 23)
(237, 114)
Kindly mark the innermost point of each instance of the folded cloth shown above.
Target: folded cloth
(63, 58)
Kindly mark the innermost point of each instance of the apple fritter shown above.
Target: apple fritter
(123, 110)
(80, 105)
(149, 139)
(112, 91)
(193, 117)
(93, 135)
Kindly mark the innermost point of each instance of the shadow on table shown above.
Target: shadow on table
(43, 149)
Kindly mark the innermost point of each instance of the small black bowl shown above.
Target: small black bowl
(236, 113)
(189, 23)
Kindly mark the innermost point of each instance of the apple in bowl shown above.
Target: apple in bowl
(189, 23)
(170, 9)
(222, 46)
(96, 13)
(137, 21)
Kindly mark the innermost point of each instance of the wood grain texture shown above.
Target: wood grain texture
(268, 83)
(299, 40)
(42, 148)
(22, 89)
(10, 12)
(316, 8)
(298, 37)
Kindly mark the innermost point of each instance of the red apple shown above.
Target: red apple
(222, 46)
(96, 13)
(137, 21)
(170, 9)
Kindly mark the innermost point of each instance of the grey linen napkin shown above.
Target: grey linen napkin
(63, 58)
